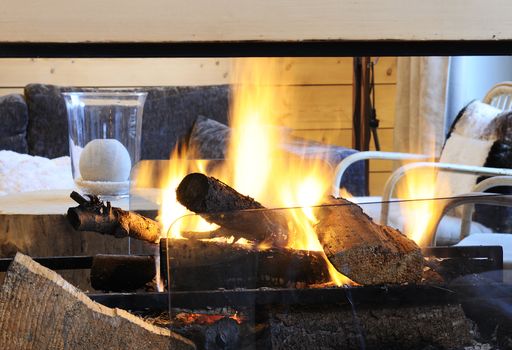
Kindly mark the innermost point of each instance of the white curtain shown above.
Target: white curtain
(420, 116)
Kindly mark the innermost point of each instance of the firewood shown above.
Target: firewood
(364, 251)
(407, 327)
(94, 215)
(207, 265)
(40, 310)
(218, 203)
(119, 273)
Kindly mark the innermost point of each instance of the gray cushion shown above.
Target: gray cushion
(47, 126)
(209, 139)
(169, 113)
(13, 123)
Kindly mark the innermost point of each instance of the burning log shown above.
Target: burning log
(40, 310)
(218, 203)
(119, 273)
(366, 252)
(207, 265)
(94, 215)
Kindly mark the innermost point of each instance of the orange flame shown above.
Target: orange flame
(256, 163)
(419, 186)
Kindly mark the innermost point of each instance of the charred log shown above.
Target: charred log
(218, 203)
(414, 327)
(366, 252)
(206, 265)
(119, 273)
(94, 215)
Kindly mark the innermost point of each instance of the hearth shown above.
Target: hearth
(463, 305)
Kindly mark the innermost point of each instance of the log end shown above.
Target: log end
(191, 191)
(377, 265)
(74, 217)
(366, 252)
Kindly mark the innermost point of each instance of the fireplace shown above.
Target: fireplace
(460, 299)
(230, 295)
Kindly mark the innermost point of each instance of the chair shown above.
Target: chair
(499, 97)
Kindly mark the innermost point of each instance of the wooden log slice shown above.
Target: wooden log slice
(40, 310)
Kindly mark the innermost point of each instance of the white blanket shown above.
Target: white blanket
(23, 173)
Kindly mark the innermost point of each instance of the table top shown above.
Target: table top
(58, 201)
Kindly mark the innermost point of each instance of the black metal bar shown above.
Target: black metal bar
(330, 48)
(361, 109)
(56, 262)
(364, 296)
(466, 263)
(493, 253)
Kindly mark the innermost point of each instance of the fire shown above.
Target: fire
(257, 165)
(170, 210)
(344, 193)
(420, 187)
(418, 213)
(206, 319)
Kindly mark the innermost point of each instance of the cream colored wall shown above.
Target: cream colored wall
(321, 107)
(229, 20)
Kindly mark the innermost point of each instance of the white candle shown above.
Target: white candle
(105, 160)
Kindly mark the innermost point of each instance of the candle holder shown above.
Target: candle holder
(104, 140)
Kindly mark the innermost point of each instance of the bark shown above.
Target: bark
(366, 252)
(94, 215)
(218, 203)
(331, 327)
(40, 310)
(207, 265)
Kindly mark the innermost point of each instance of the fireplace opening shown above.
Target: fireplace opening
(247, 236)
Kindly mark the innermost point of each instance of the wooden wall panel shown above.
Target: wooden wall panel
(330, 107)
(241, 20)
(108, 72)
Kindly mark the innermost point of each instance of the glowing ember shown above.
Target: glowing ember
(206, 319)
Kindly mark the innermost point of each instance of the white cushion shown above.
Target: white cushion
(461, 150)
(475, 119)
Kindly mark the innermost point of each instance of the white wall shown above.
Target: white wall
(472, 76)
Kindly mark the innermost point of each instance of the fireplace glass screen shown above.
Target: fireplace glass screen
(240, 274)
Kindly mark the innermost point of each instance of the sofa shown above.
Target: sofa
(36, 123)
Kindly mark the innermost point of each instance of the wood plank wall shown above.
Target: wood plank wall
(249, 20)
(322, 88)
